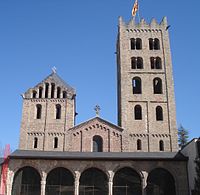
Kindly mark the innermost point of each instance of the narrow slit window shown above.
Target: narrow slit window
(138, 112)
(46, 90)
(35, 144)
(38, 111)
(139, 144)
(52, 90)
(58, 111)
(40, 92)
(55, 142)
(58, 92)
(159, 113)
(161, 145)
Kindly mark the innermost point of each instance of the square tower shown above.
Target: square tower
(146, 105)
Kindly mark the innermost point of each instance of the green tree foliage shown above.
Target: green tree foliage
(183, 136)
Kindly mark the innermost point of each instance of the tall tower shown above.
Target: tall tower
(48, 111)
(146, 105)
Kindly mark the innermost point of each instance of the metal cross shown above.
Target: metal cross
(97, 109)
(54, 69)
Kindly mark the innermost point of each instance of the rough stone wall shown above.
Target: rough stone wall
(155, 130)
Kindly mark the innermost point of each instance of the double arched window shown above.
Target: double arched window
(97, 143)
(154, 44)
(136, 63)
(138, 112)
(137, 85)
(156, 63)
(157, 86)
(136, 44)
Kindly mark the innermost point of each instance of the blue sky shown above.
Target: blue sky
(79, 38)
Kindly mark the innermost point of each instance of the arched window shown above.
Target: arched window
(157, 86)
(38, 111)
(151, 47)
(55, 144)
(64, 94)
(159, 113)
(133, 62)
(35, 144)
(52, 90)
(160, 181)
(27, 181)
(58, 92)
(156, 44)
(136, 63)
(58, 111)
(97, 144)
(60, 181)
(137, 85)
(34, 93)
(139, 144)
(138, 112)
(46, 90)
(40, 92)
(158, 64)
(139, 63)
(161, 145)
(138, 44)
(133, 44)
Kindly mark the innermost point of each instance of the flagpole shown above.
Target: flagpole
(138, 12)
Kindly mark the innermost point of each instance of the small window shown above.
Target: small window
(97, 144)
(40, 92)
(159, 113)
(137, 85)
(52, 90)
(161, 145)
(138, 112)
(34, 93)
(55, 142)
(151, 47)
(156, 44)
(136, 63)
(139, 144)
(38, 111)
(133, 44)
(58, 111)
(156, 63)
(35, 144)
(138, 44)
(64, 94)
(58, 92)
(46, 90)
(157, 86)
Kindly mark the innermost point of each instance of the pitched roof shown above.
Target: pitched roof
(100, 120)
(56, 155)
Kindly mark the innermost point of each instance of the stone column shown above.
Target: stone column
(110, 182)
(76, 183)
(43, 183)
(144, 182)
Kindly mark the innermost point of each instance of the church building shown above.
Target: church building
(137, 156)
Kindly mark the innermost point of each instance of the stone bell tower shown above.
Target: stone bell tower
(146, 105)
(48, 112)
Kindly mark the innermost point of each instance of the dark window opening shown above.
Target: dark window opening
(46, 90)
(138, 44)
(137, 85)
(58, 92)
(64, 94)
(138, 112)
(34, 93)
(52, 90)
(40, 92)
(161, 182)
(156, 63)
(139, 144)
(156, 44)
(161, 145)
(38, 111)
(35, 145)
(151, 47)
(127, 181)
(133, 44)
(157, 86)
(58, 111)
(55, 145)
(26, 181)
(133, 63)
(97, 144)
(159, 113)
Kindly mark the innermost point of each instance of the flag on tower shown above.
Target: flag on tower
(135, 8)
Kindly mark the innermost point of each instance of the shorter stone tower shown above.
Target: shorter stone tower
(48, 111)
(146, 106)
